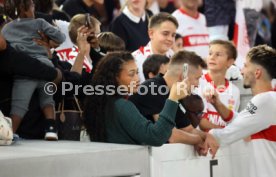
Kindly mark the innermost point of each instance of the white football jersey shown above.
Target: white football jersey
(87, 63)
(194, 32)
(257, 120)
(141, 54)
(229, 95)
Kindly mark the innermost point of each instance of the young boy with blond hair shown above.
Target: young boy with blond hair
(222, 55)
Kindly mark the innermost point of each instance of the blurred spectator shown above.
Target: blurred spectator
(154, 65)
(110, 42)
(251, 9)
(153, 6)
(168, 6)
(74, 7)
(48, 7)
(273, 24)
(178, 44)
(192, 27)
(59, 2)
(263, 29)
(219, 15)
(132, 24)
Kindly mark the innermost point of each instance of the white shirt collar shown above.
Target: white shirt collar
(169, 53)
(132, 17)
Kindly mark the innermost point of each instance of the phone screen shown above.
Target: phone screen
(185, 70)
(87, 20)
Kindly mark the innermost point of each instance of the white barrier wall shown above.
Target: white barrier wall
(178, 160)
(73, 159)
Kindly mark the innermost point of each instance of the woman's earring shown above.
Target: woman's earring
(15, 11)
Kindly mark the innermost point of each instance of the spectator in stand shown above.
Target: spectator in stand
(155, 64)
(20, 34)
(219, 15)
(48, 7)
(168, 6)
(74, 7)
(192, 27)
(162, 30)
(12, 63)
(132, 24)
(110, 42)
(178, 44)
(222, 55)
(114, 119)
(78, 25)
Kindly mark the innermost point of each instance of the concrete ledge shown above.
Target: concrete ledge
(72, 159)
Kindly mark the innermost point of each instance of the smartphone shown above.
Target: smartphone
(185, 70)
(88, 25)
(87, 20)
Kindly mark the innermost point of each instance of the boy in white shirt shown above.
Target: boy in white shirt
(192, 27)
(222, 55)
(162, 31)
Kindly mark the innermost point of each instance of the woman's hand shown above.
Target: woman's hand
(180, 90)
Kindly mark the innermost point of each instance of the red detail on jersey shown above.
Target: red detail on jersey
(142, 49)
(267, 134)
(195, 40)
(236, 34)
(220, 89)
(64, 54)
(230, 117)
(185, 13)
(205, 116)
(213, 114)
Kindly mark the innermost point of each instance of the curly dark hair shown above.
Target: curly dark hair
(13, 8)
(265, 56)
(107, 71)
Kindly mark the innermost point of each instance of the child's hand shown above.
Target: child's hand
(46, 41)
(211, 95)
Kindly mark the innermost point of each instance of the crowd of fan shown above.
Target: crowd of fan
(128, 43)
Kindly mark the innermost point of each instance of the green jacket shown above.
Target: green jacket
(126, 125)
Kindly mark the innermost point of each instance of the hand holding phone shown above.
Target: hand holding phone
(87, 20)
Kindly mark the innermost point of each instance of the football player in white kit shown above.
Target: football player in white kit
(258, 119)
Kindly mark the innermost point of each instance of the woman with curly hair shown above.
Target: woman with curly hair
(110, 117)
